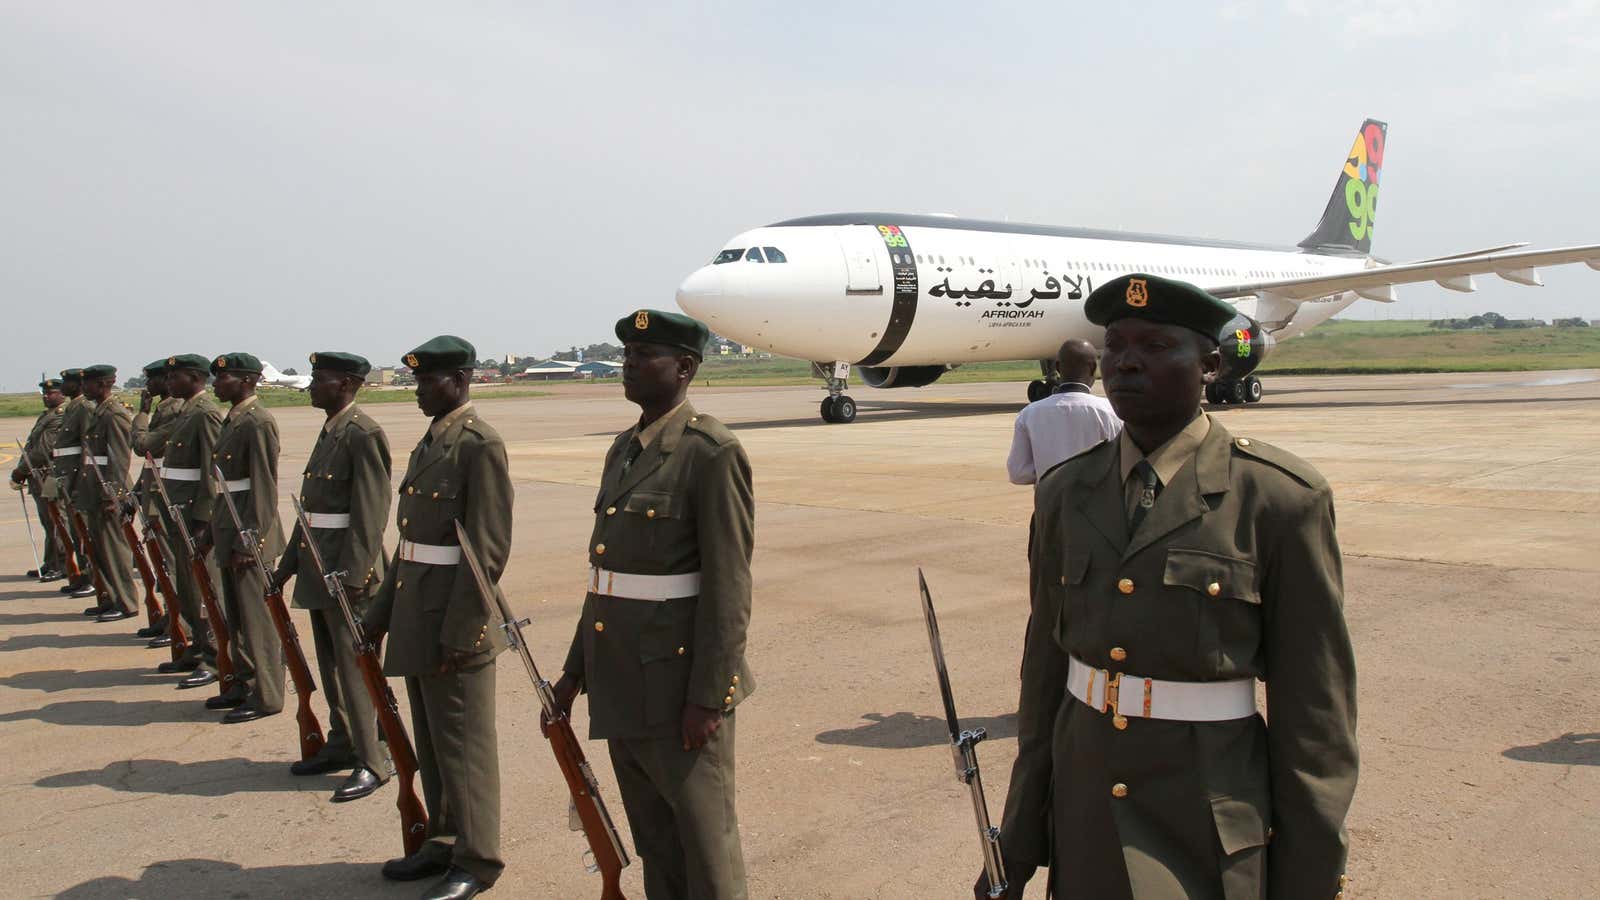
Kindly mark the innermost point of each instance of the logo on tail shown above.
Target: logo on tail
(1347, 222)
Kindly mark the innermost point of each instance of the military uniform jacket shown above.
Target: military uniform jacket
(685, 505)
(74, 424)
(41, 440)
(110, 436)
(247, 447)
(460, 475)
(1234, 573)
(189, 445)
(150, 432)
(348, 472)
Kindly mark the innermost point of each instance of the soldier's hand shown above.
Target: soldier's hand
(144, 400)
(240, 560)
(454, 660)
(566, 690)
(17, 477)
(699, 724)
(202, 538)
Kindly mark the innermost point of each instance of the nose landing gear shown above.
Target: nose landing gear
(1243, 390)
(837, 407)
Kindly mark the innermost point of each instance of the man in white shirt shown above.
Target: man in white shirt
(1064, 424)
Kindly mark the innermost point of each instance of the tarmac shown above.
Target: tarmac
(1469, 516)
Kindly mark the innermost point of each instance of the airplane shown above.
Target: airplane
(906, 298)
(271, 376)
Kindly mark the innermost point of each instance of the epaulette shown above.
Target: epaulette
(1281, 459)
(720, 434)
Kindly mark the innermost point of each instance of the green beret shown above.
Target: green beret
(49, 384)
(1156, 299)
(443, 352)
(71, 374)
(333, 360)
(188, 361)
(100, 371)
(240, 363)
(652, 326)
(159, 367)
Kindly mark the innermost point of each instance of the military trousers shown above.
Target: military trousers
(680, 806)
(115, 556)
(353, 734)
(51, 560)
(254, 649)
(202, 645)
(458, 755)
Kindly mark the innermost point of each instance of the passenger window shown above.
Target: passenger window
(733, 254)
(753, 255)
(774, 255)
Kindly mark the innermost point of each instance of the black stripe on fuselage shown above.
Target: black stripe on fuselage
(903, 311)
(1094, 234)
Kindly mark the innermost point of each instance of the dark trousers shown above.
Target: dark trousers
(52, 561)
(680, 807)
(458, 754)
(202, 646)
(352, 724)
(116, 558)
(256, 651)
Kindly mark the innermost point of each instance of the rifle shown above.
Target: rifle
(163, 571)
(605, 845)
(202, 581)
(82, 528)
(151, 606)
(964, 744)
(311, 739)
(63, 537)
(413, 818)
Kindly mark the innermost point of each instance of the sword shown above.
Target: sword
(964, 746)
(28, 523)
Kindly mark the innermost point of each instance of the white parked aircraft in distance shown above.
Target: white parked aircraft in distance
(905, 298)
(270, 375)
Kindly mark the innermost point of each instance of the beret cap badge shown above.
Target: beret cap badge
(1138, 292)
(221, 363)
(411, 360)
(641, 319)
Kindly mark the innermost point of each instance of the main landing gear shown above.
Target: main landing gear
(837, 407)
(1243, 390)
(1040, 388)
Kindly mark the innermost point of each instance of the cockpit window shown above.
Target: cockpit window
(774, 255)
(753, 255)
(733, 254)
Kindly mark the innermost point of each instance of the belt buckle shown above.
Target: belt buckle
(1113, 691)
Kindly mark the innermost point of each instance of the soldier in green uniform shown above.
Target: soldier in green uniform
(439, 635)
(660, 644)
(150, 435)
(42, 487)
(345, 493)
(247, 453)
(1172, 569)
(107, 442)
(68, 453)
(185, 453)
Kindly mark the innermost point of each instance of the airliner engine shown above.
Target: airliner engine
(901, 376)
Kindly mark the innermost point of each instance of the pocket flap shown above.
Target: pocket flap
(1212, 574)
(1240, 824)
(651, 504)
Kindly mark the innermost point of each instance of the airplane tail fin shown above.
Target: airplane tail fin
(1347, 223)
(268, 372)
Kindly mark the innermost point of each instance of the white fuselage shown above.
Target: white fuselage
(892, 294)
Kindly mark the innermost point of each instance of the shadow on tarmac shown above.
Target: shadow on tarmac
(51, 681)
(66, 641)
(210, 778)
(42, 618)
(130, 713)
(905, 730)
(181, 879)
(1569, 749)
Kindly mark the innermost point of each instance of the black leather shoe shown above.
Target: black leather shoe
(245, 713)
(84, 590)
(116, 615)
(49, 575)
(178, 665)
(35, 573)
(317, 765)
(150, 631)
(457, 884)
(159, 641)
(67, 588)
(199, 678)
(416, 866)
(361, 782)
(228, 700)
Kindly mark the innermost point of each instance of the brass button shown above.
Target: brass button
(328, 476)
(435, 495)
(599, 549)
(1119, 722)
(1125, 585)
(1119, 790)
(735, 679)
(404, 522)
(1063, 579)
(649, 514)
(398, 584)
(411, 489)
(681, 651)
(1118, 654)
(693, 419)
(1214, 589)
(1244, 442)
(302, 545)
(227, 456)
(611, 510)
(599, 626)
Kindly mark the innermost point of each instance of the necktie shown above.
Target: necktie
(632, 453)
(1144, 487)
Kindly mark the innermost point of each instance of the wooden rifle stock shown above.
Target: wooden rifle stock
(219, 625)
(311, 739)
(569, 756)
(180, 641)
(64, 539)
(152, 607)
(95, 565)
(413, 817)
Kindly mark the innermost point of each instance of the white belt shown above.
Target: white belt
(237, 485)
(66, 451)
(428, 554)
(101, 460)
(1148, 698)
(328, 520)
(172, 473)
(643, 587)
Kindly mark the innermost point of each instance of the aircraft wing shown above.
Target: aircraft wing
(1377, 281)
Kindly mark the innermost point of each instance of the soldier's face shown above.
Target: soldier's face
(98, 389)
(53, 399)
(441, 390)
(156, 385)
(1155, 373)
(184, 383)
(71, 388)
(652, 373)
(226, 386)
(326, 389)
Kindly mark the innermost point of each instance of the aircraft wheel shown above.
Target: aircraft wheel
(1252, 389)
(1037, 390)
(844, 410)
(827, 410)
(1238, 393)
(1211, 393)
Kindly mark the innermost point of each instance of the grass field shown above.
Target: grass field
(1336, 348)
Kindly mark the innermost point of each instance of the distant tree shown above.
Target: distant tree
(1476, 322)
(602, 351)
(1574, 322)
(568, 355)
(290, 372)
(135, 383)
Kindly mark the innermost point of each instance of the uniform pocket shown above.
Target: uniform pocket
(1241, 823)
(650, 504)
(666, 646)
(1212, 574)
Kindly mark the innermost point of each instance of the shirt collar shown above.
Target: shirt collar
(650, 432)
(340, 418)
(1168, 458)
(444, 422)
(239, 408)
(1072, 387)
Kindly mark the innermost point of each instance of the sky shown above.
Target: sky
(288, 177)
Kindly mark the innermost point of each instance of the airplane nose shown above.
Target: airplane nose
(700, 292)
